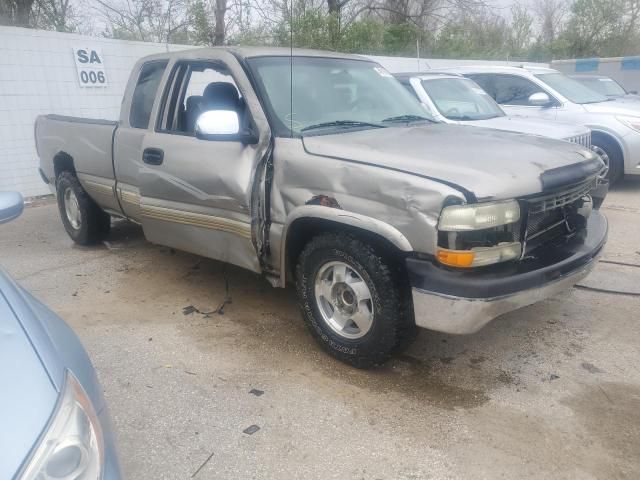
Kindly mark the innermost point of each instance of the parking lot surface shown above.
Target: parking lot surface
(550, 391)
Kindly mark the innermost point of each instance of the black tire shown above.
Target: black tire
(392, 328)
(613, 152)
(94, 223)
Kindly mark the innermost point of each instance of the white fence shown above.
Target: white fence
(625, 70)
(38, 75)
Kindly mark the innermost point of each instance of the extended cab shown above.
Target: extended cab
(321, 169)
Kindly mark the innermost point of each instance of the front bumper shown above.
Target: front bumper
(461, 302)
(111, 463)
(631, 149)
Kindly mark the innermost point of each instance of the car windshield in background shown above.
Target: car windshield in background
(331, 94)
(570, 88)
(604, 86)
(461, 99)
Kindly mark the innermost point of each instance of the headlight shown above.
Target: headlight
(631, 122)
(479, 234)
(72, 447)
(462, 218)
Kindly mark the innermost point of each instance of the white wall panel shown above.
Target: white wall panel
(38, 76)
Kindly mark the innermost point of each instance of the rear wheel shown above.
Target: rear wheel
(611, 155)
(353, 300)
(85, 222)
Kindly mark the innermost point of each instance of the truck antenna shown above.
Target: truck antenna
(291, 68)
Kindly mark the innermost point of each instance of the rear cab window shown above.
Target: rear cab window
(145, 93)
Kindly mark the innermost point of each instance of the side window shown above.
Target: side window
(411, 90)
(512, 90)
(485, 81)
(195, 88)
(145, 93)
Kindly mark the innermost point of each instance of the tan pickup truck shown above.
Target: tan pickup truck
(344, 185)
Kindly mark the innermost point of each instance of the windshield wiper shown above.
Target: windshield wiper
(342, 123)
(408, 119)
(465, 118)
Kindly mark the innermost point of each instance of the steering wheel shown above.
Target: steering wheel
(452, 112)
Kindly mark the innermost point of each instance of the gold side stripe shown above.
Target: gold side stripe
(130, 197)
(197, 220)
(98, 188)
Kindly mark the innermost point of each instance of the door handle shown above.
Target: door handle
(153, 156)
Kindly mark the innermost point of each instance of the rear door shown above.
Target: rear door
(512, 92)
(135, 121)
(195, 194)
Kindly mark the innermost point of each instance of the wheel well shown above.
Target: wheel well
(63, 162)
(302, 230)
(610, 139)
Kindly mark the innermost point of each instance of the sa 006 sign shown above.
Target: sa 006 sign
(90, 67)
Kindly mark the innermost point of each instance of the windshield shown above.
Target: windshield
(461, 99)
(604, 86)
(332, 94)
(573, 90)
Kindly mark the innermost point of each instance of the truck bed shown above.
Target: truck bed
(87, 141)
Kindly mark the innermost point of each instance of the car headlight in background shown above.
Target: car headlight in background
(480, 234)
(631, 122)
(72, 447)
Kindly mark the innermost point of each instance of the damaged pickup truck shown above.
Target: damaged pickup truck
(320, 169)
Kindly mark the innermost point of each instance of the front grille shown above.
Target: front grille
(552, 215)
(538, 223)
(552, 201)
(584, 140)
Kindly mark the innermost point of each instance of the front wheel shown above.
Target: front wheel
(85, 222)
(353, 300)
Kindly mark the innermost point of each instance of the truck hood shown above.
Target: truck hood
(28, 393)
(614, 107)
(533, 126)
(488, 163)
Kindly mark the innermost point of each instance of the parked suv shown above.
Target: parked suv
(606, 86)
(452, 98)
(546, 93)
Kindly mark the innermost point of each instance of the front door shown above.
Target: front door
(512, 92)
(195, 195)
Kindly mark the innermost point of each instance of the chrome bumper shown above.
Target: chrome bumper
(463, 302)
(458, 315)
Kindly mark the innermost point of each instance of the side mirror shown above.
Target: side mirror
(11, 206)
(222, 126)
(539, 99)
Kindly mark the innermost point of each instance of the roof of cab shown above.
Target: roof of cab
(498, 69)
(252, 52)
(425, 75)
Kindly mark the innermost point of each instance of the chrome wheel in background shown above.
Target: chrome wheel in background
(605, 158)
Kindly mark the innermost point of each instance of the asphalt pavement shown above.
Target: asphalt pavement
(549, 391)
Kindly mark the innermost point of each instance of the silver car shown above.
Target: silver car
(606, 86)
(453, 98)
(54, 421)
(545, 93)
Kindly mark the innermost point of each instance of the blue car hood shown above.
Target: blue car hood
(36, 348)
(28, 395)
